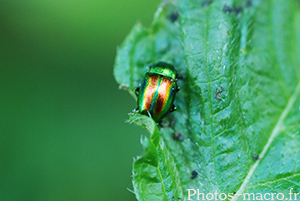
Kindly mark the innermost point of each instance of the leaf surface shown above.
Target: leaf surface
(240, 97)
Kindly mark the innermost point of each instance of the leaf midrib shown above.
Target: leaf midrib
(209, 95)
(275, 132)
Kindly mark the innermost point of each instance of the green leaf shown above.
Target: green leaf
(240, 97)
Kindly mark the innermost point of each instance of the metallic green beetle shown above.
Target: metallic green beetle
(157, 92)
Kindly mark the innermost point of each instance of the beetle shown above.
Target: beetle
(157, 92)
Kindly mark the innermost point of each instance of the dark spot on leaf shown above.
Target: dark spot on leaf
(226, 9)
(206, 2)
(163, 123)
(256, 156)
(249, 3)
(234, 193)
(178, 136)
(170, 123)
(174, 16)
(237, 10)
(194, 174)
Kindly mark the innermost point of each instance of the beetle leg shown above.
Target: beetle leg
(178, 89)
(149, 114)
(136, 91)
(136, 109)
(218, 93)
(179, 76)
(162, 123)
(173, 108)
(172, 121)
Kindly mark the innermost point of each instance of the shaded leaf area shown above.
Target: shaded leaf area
(240, 62)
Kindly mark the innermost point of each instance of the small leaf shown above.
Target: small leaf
(239, 104)
(156, 170)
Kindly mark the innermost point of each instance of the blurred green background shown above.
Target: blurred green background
(62, 130)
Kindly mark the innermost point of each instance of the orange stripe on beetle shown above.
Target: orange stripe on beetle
(149, 91)
(164, 92)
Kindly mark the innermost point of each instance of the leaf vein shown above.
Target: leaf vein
(274, 181)
(274, 133)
